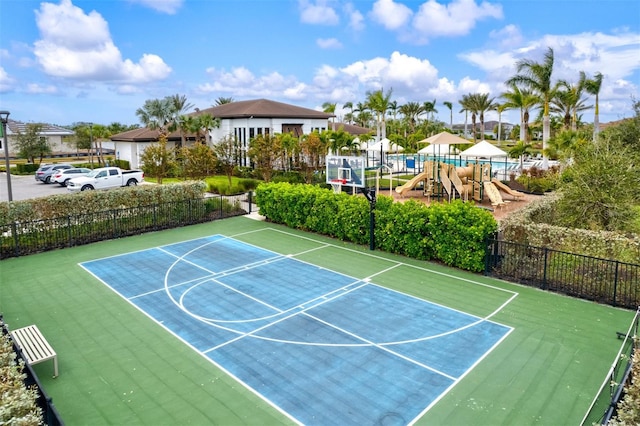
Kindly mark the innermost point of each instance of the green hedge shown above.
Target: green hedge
(63, 205)
(534, 225)
(453, 233)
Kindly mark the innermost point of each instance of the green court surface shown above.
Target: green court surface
(118, 366)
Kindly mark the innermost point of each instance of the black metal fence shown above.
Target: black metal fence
(603, 407)
(23, 238)
(49, 413)
(602, 280)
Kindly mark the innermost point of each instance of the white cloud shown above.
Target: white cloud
(241, 82)
(76, 45)
(169, 7)
(453, 19)
(390, 14)
(6, 82)
(328, 43)
(34, 88)
(318, 13)
(356, 19)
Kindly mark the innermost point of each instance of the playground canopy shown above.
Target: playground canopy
(384, 145)
(483, 149)
(438, 149)
(444, 138)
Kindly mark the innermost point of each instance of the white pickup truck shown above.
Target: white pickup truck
(106, 178)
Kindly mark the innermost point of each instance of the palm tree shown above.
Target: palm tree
(537, 76)
(524, 100)
(500, 108)
(207, 123)
(156, 114)
(519, 150)
(592, 86)
(470, 104)
(330, 108)
(348, 116)
(568, 101)
(450, 106)
(483, 104)
(222, 100)
(430, 109)
(378, 102)
(411, 112)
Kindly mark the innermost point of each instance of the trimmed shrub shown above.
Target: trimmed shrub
(17, 403)
(97, 201)
(454, 233)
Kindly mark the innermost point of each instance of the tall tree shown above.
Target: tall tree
(31, 144)
(450, 106)
(523, 100)
(156, 114)
(411, 112)
(330, 108)
(348, 117)
(499, 108)
(537, 76)
(265, 151)
(430, 109)
(225, 151)
(593, 86)
(378, 102)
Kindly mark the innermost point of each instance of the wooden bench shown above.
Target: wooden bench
(34, 346)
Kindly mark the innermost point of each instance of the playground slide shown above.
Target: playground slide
(412, 183)
(493, 194)
(504, 188)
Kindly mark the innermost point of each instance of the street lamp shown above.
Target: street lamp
(4, 118)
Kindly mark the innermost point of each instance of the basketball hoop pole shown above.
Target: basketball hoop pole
(371, 196)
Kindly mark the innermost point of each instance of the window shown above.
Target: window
(113, 172)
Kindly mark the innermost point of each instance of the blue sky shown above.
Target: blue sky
(66, 61)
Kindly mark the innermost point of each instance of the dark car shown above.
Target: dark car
(44, 173)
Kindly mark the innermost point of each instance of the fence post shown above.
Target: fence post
(250, 200)
(69, 231)
(615, 284)
(487, 253)
(544, 272)
(16, 240)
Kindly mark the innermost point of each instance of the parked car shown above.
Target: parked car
(106, 178)
(62, 177)
(44, 173)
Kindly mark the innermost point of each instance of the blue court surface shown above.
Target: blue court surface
(322, 347)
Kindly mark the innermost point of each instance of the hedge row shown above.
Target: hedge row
(532, 225)
(63, 205)
(453, 233)
(17, 403)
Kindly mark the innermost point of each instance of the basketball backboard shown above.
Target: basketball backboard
(346, 170)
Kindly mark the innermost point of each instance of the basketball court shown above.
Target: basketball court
(319, 345)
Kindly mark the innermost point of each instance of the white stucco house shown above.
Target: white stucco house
(242, 120)
(57, 138)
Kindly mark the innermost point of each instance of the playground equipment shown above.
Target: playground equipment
(504, 188)
(426, 177)
(469, 182)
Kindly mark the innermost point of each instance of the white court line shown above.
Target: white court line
(373, 344)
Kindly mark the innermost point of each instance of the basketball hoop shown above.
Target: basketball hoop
(336, 184)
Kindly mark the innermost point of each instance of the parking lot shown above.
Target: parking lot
(25, 187)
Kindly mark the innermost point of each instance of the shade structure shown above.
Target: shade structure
(384, 145)
(438, 149)
(444, 138)
(484, 149)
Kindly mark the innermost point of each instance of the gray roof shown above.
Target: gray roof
(14, 127)
(262, 108)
